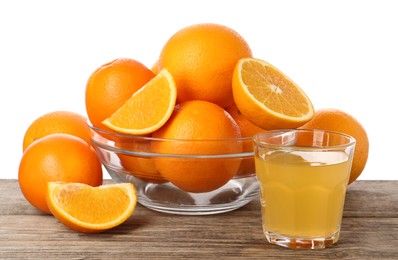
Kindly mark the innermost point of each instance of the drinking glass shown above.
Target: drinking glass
(303, 176)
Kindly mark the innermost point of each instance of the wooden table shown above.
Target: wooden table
(369, 231)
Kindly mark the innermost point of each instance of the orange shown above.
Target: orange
(111, 85)
(267, 97)
(247, 129)
(147, 109)
(91, 209)
(57, 122)
(202, 58)
(198, 128)
(56, 157)
(139, 166)
(340, 121)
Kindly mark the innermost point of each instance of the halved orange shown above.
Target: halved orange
(91, 209)
(267, 97)
(148, 109)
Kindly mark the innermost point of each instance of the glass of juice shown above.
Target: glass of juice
(303, 176)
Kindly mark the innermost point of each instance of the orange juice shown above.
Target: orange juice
(302, 192)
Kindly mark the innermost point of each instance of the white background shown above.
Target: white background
(343, 54)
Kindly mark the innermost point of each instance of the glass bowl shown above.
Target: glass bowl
(167, 180)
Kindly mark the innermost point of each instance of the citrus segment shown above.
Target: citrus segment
(267, 97)
(148, 109)
(91, 209)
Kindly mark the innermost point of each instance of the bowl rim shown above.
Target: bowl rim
(258, 139)
(150, 138)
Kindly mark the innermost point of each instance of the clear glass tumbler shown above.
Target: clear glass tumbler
(303, 176)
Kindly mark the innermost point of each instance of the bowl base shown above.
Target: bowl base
(168, 198)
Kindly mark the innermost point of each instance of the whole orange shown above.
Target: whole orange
(56, 157)
(57, 122)
(202, 58)
(198, 128)
(248, 129)
(111, 85)
(340, 121)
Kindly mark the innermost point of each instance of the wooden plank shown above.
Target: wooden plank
(27, 233)
(43, 236)
(377, 199)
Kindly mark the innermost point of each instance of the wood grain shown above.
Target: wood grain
(369, 231)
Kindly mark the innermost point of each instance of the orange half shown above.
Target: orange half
(148, 109)
(267, 97)
(91, 209)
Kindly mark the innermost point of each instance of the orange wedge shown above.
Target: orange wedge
(267, 97)
(148, 109)
(91, 209)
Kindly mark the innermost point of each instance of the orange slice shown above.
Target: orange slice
(91, 209)
(148, 109)
(267, 97)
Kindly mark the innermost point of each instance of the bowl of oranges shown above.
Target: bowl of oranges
(173, 130)
(181, 176)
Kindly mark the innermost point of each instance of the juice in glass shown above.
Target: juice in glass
(302, 191)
